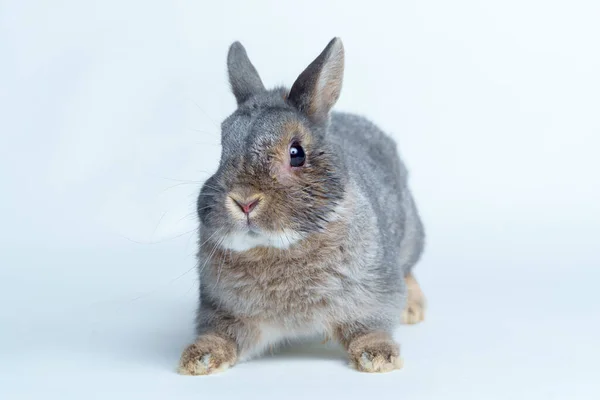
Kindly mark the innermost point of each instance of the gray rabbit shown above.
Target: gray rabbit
(307, 228)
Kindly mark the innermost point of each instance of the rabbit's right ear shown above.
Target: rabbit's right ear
(243, 77)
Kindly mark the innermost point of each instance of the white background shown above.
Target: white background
(109, 123)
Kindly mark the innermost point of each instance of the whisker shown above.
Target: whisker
(182, 180)
(165, 285)
(193, 213)
(216, 125)
(161, 241)
(208, 259)
(210, 237)
(177, 185)
(158, 223)
(191, 287)
(230, 252)
(220, 268)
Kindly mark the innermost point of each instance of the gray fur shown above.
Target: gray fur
(310, 93)
(243, 77)
(361, 232)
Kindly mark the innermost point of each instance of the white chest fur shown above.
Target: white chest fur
(242, 241)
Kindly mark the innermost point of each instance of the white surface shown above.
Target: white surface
(109, 122)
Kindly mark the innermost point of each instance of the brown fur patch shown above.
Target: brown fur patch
(209, 354)
(374, 352)
(292, 130)
(414, 312)
(326, 339)
(266, 270)
(296, 199)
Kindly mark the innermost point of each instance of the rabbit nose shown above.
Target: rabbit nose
(247, 205)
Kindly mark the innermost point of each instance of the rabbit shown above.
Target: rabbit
(307, 227)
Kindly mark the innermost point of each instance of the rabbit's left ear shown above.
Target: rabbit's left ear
(317, 88)
(243, 77)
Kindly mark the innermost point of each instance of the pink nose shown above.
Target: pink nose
(247, 206)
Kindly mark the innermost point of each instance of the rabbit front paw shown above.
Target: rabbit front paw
(374, 352)
(210, 354)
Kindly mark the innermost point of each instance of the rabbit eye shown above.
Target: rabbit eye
(297, 156)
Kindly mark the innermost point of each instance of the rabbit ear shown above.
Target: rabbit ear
(317, 88)
(243, 77)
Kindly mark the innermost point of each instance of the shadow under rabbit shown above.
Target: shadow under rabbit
(304, 349)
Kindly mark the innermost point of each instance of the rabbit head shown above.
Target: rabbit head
(279, 179)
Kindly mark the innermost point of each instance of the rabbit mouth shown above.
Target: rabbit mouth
(252, 238)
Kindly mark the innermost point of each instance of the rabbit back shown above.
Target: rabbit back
(373, 164)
